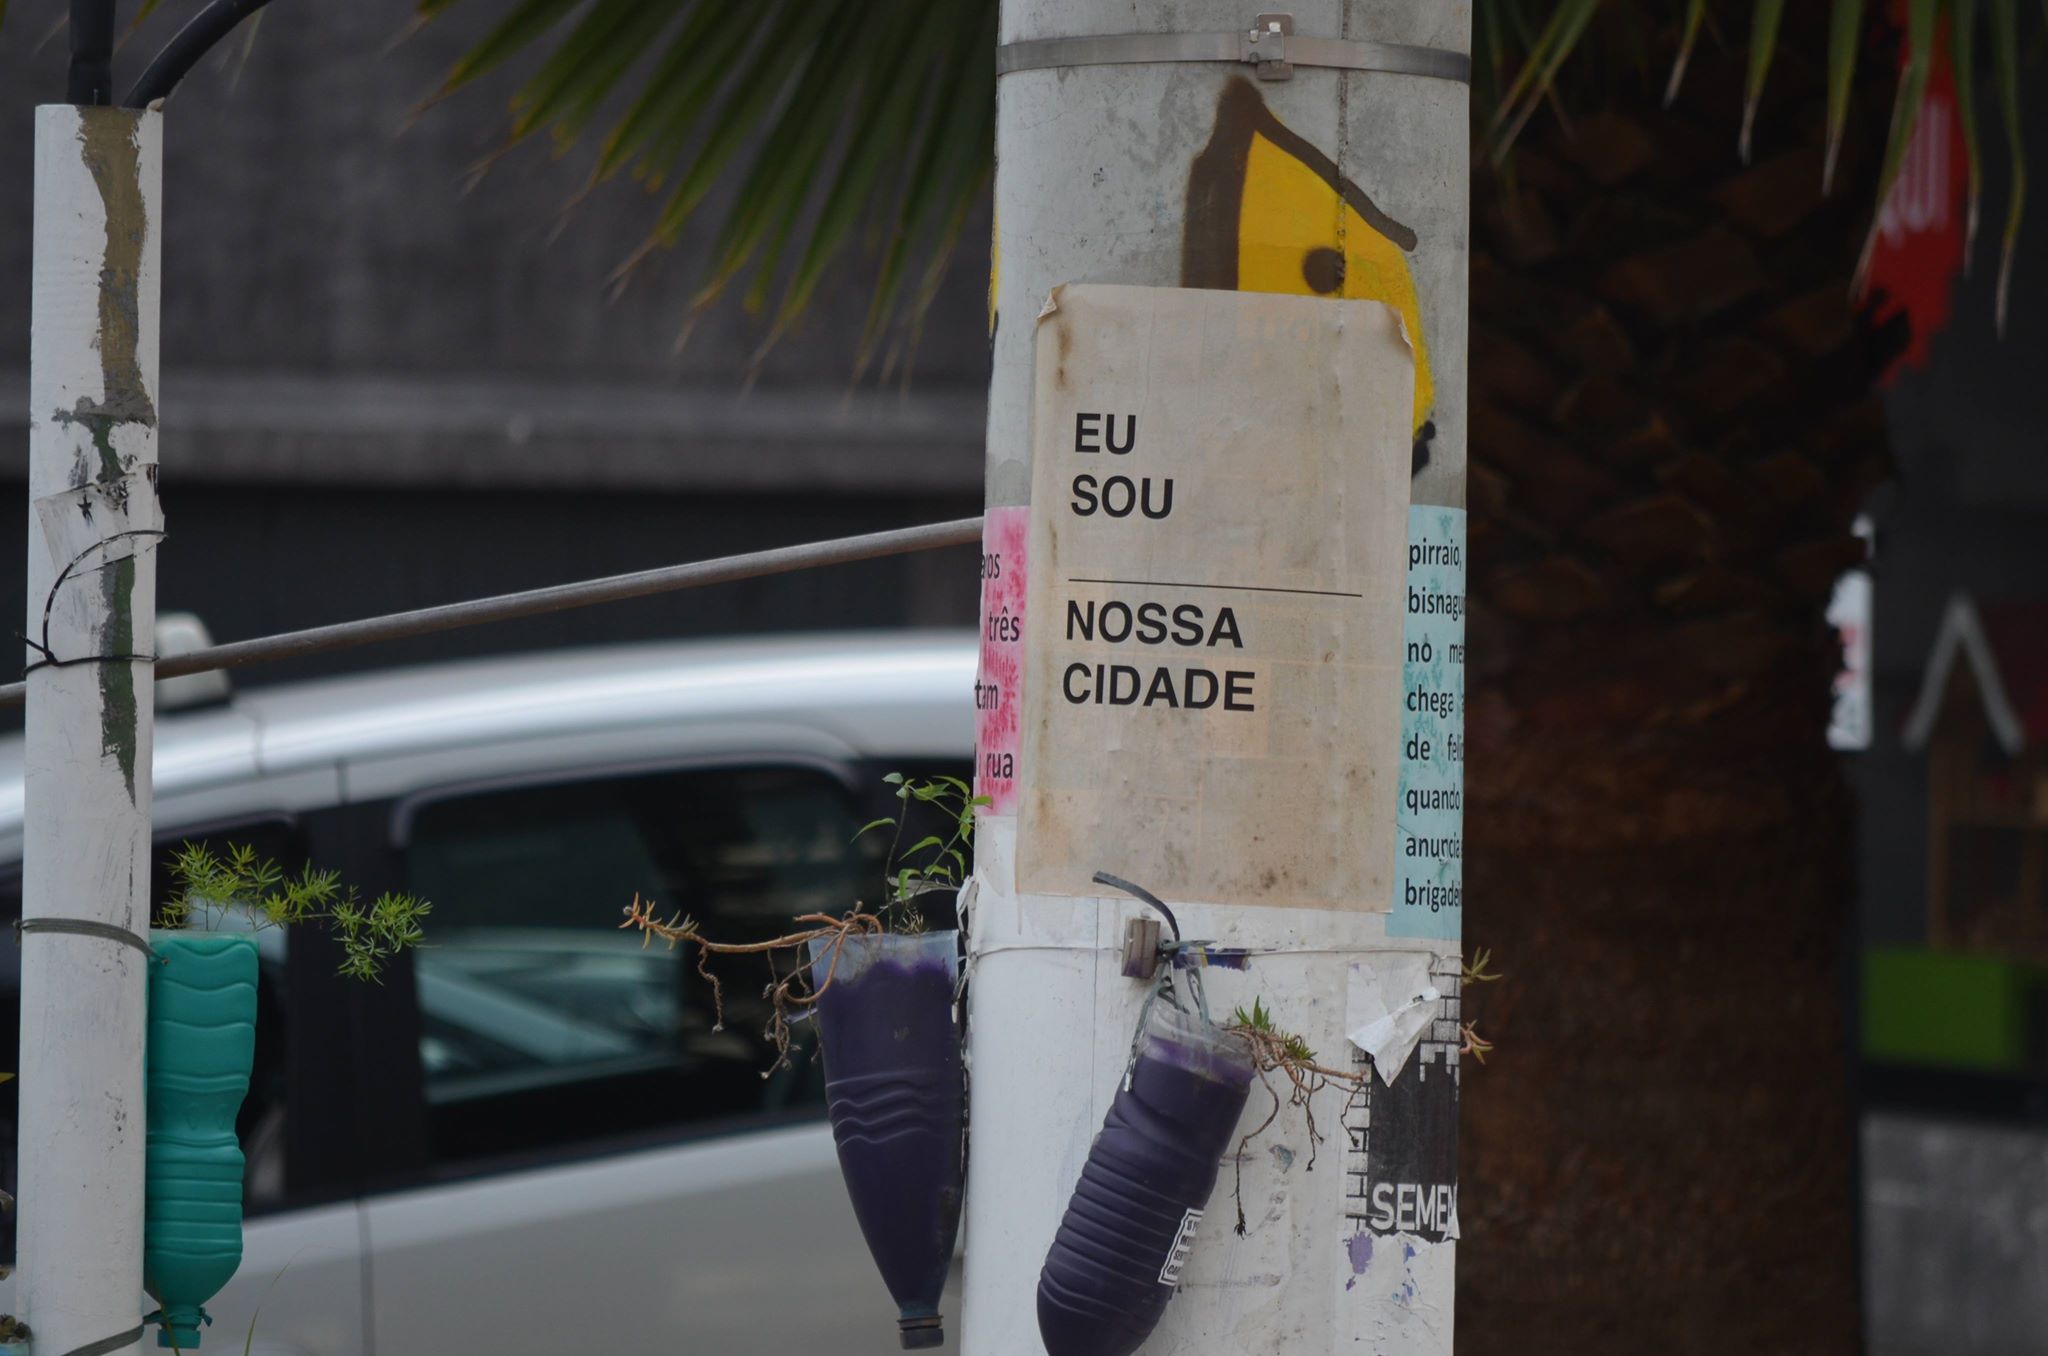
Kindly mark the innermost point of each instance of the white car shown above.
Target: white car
(534, 1136)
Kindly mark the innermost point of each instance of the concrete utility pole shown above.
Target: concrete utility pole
(93, 530)
(1198, 160)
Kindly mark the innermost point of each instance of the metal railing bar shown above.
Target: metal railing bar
(558, 598)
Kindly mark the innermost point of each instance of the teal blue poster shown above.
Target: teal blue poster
(1429, 838)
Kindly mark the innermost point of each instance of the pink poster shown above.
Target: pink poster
(997, 686)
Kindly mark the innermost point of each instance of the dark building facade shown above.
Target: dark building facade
(384, 388)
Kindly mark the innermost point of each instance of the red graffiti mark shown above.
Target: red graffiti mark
(998, 687)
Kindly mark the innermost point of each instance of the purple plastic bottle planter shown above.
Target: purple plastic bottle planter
(896, 1091)
(1117, 1257)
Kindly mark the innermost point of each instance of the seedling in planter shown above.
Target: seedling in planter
(934, 864)
(207, 883)
(201, 1033)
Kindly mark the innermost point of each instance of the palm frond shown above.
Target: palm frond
(1763, 45)
(1963, 45)
(831, 120)
(1852, 29)
(1845, 31)
(838, 120)
(1921, 18)
(1559, 38)
(2005, 50)
(1695, 12)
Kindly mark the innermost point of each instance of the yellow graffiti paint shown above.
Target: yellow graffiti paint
(1293, 227)
(1269, 212)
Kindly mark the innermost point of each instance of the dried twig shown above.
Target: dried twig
(1275, 1051)
(795, 989)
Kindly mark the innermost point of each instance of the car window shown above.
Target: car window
(543, 1024)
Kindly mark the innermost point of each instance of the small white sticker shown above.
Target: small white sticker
(1390, 1002)
(1183, 1244)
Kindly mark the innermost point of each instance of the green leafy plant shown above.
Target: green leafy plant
(1259, 1022)
(370, 934)
(936, 863)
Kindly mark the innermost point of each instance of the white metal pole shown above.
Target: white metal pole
(1098, 180)
(93, 529)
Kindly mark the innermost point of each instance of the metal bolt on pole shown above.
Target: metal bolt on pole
(93, 529)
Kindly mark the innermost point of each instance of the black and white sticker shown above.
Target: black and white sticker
(1183, 1244)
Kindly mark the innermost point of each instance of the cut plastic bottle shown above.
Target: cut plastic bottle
(896, 1092)
(202, 1043)
(1117, 1257)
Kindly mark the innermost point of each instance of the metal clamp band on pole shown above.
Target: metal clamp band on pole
(1270, 48)
(84, 927)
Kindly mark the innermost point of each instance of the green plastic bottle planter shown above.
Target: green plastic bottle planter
(202, 1042)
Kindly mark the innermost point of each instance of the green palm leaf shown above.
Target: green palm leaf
(831, 119)
(1845, 31)
(1763, 45)
(1695, 11)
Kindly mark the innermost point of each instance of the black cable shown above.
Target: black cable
(92, 52)
(1139, 892)
(182, 52)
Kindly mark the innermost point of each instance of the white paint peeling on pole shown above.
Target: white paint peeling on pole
(1196, 174)
(93, 530)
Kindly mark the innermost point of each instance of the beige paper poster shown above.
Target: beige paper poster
(1219, 533)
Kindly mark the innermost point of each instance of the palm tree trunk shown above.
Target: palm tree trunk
(1673, 423)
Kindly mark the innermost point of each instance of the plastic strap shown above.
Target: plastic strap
(84, 927)
(1138, 49)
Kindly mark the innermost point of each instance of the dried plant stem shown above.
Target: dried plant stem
(1277, 1052)
(786, 991)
